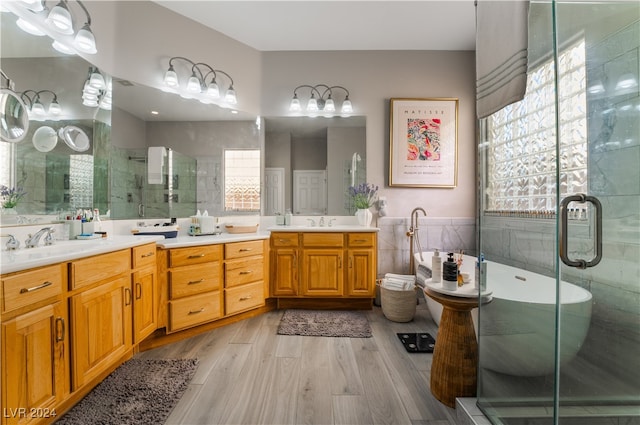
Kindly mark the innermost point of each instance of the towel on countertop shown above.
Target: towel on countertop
(155, 164)
(501, 54)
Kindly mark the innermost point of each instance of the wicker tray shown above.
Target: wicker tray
(232, 228)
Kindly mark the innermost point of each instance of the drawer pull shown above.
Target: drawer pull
(138, 290)
(246, 272)
(245, 298)
(35, 288)
(148, 254)
(245, 249)
(193, 282)
(196, 311)
(360, 240)
(127, 296)
(60, 329)
(196, 256)
(283, 240)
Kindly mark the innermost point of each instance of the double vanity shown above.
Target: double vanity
(74, 311)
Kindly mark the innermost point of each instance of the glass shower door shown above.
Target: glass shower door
(560, 344)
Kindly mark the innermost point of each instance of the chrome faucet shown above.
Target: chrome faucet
(321, 224)
(12, 243)
(32, 241)
(331, 220)
(312, 222)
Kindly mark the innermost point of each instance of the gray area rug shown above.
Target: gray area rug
(139, 392)
(351, 324)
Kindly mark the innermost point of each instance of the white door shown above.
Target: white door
(274, 191)
(309, 192)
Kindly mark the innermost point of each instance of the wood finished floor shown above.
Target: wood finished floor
(248, 374)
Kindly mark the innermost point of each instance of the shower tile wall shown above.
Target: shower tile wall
(446, 234)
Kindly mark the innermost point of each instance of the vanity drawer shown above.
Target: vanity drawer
(239, 272)
(243, 249)
(324, 240)
(144, 255)
(195, 279)
(94, 269)
(361, 239)
(191, 311)
(244, 297)
(195, 255)
(285, 239)
(26, 288)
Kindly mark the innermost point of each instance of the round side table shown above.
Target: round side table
(455, 355)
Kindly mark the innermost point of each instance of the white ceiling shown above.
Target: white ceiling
(338, 25)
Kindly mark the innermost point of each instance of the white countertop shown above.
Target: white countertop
(26, 258)
(186, 241)
(334, 228)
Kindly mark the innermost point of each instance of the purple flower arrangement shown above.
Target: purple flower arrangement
(363, 195)
(11, 196)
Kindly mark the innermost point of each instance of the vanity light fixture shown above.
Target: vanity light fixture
(199, 86)
(321, 101)
(37, 111)
(35, 18)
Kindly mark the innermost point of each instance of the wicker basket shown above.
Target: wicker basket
(398, 306)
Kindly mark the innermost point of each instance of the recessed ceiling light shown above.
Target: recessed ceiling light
(154, 112)
(233, 111)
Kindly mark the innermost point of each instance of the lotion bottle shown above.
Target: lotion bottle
(436, 267)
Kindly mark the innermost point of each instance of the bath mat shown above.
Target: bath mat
(417, 342)
(139, 392)
(349, 324)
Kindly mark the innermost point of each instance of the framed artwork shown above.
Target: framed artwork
(423, 142)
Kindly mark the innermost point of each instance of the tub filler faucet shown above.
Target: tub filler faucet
(413, 236)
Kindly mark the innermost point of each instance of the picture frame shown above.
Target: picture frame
(423, 142)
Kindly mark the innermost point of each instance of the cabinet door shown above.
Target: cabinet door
(284, 280)
(322, 272)
(100, 328)
(144, 303)
(34, 363)
(361, 273)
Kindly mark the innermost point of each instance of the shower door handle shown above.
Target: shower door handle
(564, 230)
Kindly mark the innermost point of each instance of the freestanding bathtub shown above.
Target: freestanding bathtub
(517, 328)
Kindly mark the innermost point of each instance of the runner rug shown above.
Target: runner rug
(139, 392)
(350, 324)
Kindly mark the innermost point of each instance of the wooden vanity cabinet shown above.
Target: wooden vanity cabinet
(322, 265)
(195, 286)
(145, 291)
(284, 264)
(361, 265)
(244, 286)
(35, 354)
(333, 265)
(101, 313)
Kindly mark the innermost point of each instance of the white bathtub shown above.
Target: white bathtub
(517, 329)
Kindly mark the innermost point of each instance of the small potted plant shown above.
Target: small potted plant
(363, 197)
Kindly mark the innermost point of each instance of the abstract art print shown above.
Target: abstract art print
(423, 142)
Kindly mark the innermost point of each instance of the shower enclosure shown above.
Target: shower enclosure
(560, 196)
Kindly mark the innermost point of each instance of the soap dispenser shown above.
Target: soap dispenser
(436, 267)
(450, 273)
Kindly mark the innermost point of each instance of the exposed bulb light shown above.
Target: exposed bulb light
(230, 96)
(54, 108)
(193, 85)
(171, 78)
(28, 27)
(63, 48)
(294, 106)
(85, 40)
(59, 19)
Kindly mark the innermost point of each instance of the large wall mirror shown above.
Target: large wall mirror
(311, 162)
(61, 163)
